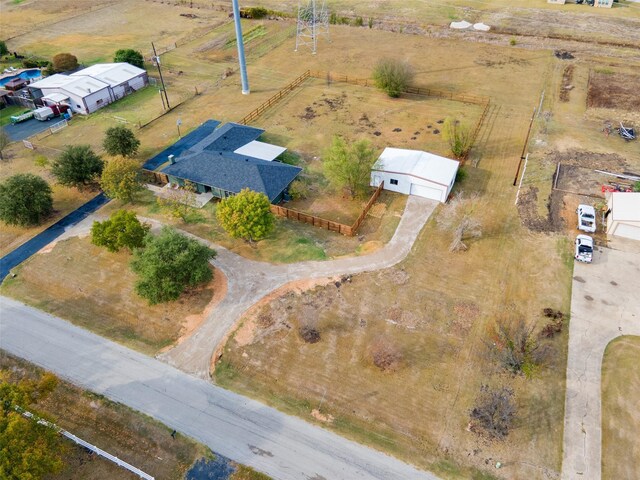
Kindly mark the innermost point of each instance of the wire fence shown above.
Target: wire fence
(87, 445)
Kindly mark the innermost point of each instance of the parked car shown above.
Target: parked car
(584, 248)
(586, 218)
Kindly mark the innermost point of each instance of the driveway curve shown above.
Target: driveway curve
(604, 305)
(250, 281)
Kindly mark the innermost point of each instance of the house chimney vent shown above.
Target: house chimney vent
(172, 159)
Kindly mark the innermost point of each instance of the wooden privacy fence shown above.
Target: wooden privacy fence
(274, 99)
(427, 92)
(349, 230)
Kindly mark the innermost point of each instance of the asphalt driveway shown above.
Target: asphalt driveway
(604, 305)
(23, 130)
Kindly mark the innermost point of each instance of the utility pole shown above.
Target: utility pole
(157, 60)
(240, 42)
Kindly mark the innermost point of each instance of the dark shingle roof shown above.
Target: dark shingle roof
(213, 162)
(185, 143)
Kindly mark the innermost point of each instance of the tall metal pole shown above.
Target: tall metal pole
(239, 41)
(157, 59)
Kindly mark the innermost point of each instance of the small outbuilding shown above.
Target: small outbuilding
(414, 172)
(623, 214)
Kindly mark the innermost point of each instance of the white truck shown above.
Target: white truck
(586, 218)
(584, 249)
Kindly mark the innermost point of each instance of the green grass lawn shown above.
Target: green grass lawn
(7, 112)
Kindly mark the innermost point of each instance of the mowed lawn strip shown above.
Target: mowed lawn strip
(620, 414)
(135, 438)
(94, 289)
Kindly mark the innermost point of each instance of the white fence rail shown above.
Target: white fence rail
(87, 445)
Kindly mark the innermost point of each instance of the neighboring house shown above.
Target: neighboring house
(414, 172)
(91, 88)
(603, 3)
(223, 161)
(623, 215)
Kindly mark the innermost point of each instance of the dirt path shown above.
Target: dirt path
(604, 305)
(250, 281)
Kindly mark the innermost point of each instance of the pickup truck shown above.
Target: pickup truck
(584, 248)
(586, 218)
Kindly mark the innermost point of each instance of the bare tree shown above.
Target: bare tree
(494, 412)
(467, 228)
(516, 348)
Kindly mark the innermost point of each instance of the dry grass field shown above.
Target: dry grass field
(93, 288)
(437, 308)
(620, 417)
(131, 436)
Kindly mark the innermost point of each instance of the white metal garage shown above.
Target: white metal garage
(623, 217)
(414, 172)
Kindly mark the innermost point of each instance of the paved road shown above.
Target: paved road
(27, 249)
(605, 303)
(244, 430)
(250, 281)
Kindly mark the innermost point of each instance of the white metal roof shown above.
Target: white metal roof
(79, 85)
(260, 150)
(56, 97)
(625, 206)
(418, 164)
(111, 73)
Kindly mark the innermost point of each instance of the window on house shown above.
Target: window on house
(393, 181)
(99, 101)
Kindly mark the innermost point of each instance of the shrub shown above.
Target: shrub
(25, 199)
(515, 348)
(392, 76)
(41, 161)
(298, 190)
(513, 42)
(461, 174)
(370, 22)
(4, 141)
(385, 354)
(257, 12)
(359, 22)
(494, 412)
(63, 62)
(246, 215)
(636, 187)
(3, 48)
(458, 136)
(309, 334)
(121, 230)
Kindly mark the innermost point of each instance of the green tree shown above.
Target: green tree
(392, 76)
(63, 62)
(3, 48)
(128, 55)
(169, 264)
(120, 141)
(458, 136)
(77, 166)
(25, 199)
(122, 230)
(246, 215)
(349, 166)
(4, 141)
(28, 450)
(120, 179)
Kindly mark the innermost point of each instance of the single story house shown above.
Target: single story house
(224, 160)
(623, 214)
(88, 93)
(414, 172)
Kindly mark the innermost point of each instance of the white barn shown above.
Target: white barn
(94, 87)
(414, 172)
(623, 216)
(86, 94)
(122, 78)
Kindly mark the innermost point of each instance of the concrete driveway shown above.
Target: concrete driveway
(605, 303)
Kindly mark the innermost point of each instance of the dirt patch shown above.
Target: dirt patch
(567, 79)
(328, 418)
(608, 89)
(528, 210)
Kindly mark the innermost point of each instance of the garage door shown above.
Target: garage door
(427, 192)
(628, 231)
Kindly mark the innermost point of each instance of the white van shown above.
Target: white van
(43, 114)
